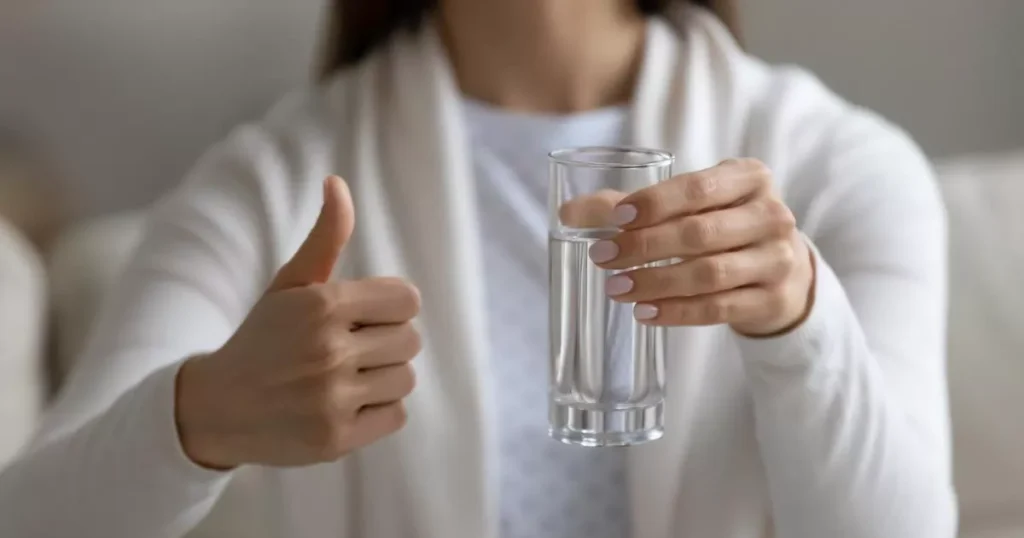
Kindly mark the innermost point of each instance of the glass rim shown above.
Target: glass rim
(570, 157)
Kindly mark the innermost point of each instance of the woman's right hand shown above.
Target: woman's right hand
(316, 370)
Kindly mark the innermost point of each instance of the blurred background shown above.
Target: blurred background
(105, 104)
(126, 94)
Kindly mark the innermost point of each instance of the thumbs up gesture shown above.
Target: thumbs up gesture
(316, 370)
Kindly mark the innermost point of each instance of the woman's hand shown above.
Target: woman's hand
(316, 370)
(744, 262)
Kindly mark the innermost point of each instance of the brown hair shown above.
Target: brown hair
(356, 27)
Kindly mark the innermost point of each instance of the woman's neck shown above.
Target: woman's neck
(546, 56)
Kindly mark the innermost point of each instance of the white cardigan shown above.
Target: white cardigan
(836, 429)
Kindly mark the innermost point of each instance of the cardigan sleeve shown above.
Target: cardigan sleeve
(851, 407)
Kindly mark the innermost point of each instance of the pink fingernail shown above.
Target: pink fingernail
(645, 312)
(624, 214)
(618, 284)
(603, 251)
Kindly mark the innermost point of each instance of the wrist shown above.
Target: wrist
(193, 412)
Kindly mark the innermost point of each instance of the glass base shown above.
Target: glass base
(586, 426)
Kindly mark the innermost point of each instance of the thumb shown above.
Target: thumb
(593, 210)
(314, 262)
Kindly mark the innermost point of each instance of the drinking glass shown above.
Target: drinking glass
(607, 372)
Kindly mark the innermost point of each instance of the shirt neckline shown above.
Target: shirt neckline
(481, 112)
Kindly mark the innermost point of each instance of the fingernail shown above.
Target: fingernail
(618, 284)
(645, 312)
(624, 214)
(603, 251)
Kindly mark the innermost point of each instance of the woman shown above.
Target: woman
(807, 384)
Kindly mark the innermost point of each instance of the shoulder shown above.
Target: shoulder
(792, 107)
(287, 151)
(839, 165)
(823, 148)
(264, 175)
(291, 134)
(830, 157)
(296, 137)
(783, 115)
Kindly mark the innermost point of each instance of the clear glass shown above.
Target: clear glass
(607, 374)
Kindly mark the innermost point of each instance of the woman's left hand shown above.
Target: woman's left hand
(744, 262)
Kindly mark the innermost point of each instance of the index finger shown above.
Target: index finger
(686, 194)
(374, 301)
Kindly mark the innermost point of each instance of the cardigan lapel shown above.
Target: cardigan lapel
(686, 102)
(412, 182)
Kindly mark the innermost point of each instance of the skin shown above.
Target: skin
(319, 369)
(744, 262)
(544, 56)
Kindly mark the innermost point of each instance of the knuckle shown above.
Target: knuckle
(785, 255)
(754, 167)
(758, 167)
(700, 186)
(321, 349)
(710, 274)
(413, 340)
(644, 242)
(331, 350)
(338, 440)
(698, 232)
(655, 279)
(405, 380)
(731, 162)
(716, 311)
(397, 416)
(779, 214)
(652, 201)
(345, 362)
(321, 301)
(406, 297)
(319, 436)
(325, 400)
(330, 436)
(778, 300)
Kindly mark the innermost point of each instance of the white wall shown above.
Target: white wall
(951, 71)
(129, 92)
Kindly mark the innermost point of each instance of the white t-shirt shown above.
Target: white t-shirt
(547, 489)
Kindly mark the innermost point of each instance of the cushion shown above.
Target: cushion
(84, 267)
(84, 264)
(22, 321)
(984, 198)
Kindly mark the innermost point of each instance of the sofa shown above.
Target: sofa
(22, 332)
(986, 341)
